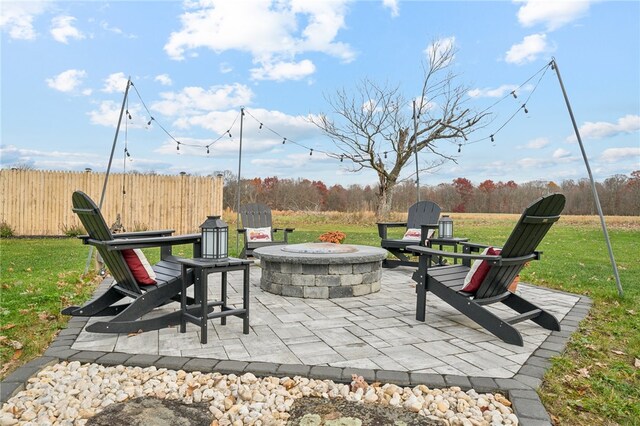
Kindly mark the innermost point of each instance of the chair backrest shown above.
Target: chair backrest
(255, 215)
(531, 228)
(92, 220)
(423, 213)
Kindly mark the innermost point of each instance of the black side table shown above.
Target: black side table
(447, 242)
(202, 268)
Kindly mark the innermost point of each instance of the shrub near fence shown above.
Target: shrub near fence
(35, 202)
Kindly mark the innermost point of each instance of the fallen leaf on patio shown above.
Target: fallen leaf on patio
(135, 333)
(636, 363)
(44, 316)
(7, 327)
(617, 352)
(12, 343)
(584, 372)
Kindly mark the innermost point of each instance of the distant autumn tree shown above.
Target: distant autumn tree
(374, 127)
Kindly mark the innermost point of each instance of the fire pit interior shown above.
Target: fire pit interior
(321, 270)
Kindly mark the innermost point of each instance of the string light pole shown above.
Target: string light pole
(113, 149)
(415, 149)
(239, 174)
(554, 66)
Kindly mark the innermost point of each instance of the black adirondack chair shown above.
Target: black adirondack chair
(422, 215)
(127, 316)
(446, 281)
(255, 215)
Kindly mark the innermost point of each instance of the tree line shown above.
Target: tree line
(619, 195)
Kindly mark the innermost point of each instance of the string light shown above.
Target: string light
(524, 106)
(459, 147)
(311, 151)
(341, 158)
(177, 146)
(385, 155)
(126, 151)
(284, 140)
(150, 120)
(492, 140)
(207, 149)
(514, 94)
(128, 114)
(228, 131)
(260, 126)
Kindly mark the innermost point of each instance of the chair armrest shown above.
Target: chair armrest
(382, 227)
(466, 245)
(145, 234)
(493, 259)
(123, 244)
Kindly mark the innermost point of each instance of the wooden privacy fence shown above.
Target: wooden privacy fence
(35, 202)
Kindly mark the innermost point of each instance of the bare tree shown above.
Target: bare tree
(375, 129)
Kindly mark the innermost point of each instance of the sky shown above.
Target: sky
(194, 64)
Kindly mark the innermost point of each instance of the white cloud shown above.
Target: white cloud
(393, 6)
(561, 153)
(538, 143)
(11, 155)
(195, 100)
(62, 29)
(116, 82)
(498, 92)
(613, 155)
(531, 47)
(163, 79)
(67, 81)
(268, 30)
(108, 113)
(553, 14)
(284, 71)
(602, 129)
(17, 18)
(225, 68)
(436, 49)
(105, 26)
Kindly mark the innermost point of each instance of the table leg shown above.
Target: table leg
(204, 314)
(183, 300)
(245, 299)
(223, 297)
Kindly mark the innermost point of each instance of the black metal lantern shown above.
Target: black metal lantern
(215, 234)
(445, 227)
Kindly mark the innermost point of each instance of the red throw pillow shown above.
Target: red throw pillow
(139, 266)
(478, 272)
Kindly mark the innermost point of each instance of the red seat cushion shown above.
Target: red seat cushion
(478, 272)
(139, 266)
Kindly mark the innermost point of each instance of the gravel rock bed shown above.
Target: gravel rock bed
(69, 393)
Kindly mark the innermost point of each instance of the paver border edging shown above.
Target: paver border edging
(521, 389)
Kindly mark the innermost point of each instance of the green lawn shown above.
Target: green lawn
(596, 380)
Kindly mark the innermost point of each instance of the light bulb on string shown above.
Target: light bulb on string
(129, 114)
(385, 155)
(341, 158)
(228, 131)
(459, 147)
(207, 149)
(177, 146)
(126, 151)
(260, 128)
(284, 140)
(150, 120)
(311, 151)
(492, 140)
(514, 94)
(524, 106)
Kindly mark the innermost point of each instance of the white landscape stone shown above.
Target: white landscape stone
(71, 393)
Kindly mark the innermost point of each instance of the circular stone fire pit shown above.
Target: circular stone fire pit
(320, 270)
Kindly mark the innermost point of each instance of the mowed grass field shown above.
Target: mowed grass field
(595, 381)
